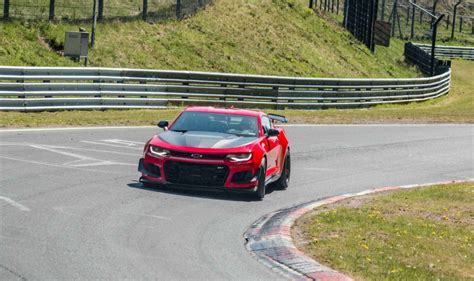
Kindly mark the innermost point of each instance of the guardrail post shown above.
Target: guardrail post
(51, 9)
(6, 9)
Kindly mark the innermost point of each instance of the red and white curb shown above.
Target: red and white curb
(269, 238)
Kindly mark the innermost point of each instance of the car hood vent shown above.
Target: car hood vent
(205, 139)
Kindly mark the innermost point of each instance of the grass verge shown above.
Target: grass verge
(456, 107)
(421, 234)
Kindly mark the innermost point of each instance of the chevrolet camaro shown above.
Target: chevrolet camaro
(219, 149)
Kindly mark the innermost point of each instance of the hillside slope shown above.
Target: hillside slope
(281, 37)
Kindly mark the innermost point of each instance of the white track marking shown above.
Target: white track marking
(112, 145)
(316, 169)
(77, 129)
(65, 211)
(144, 215)
(15, 204)
(284, 125)
(57, 166)
(81, 161)
(125, 142)
(71, 148)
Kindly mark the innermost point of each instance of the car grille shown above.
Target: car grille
(196, 155)
(196, 174)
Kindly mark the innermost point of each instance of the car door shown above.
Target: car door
(273, 147)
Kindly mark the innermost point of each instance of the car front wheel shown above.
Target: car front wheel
(260, 193)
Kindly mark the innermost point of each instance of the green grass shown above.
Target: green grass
(456, 107)
(421, 234)
(281, 37)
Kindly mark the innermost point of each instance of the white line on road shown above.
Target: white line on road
(76, 129)
(57, 166)
(15, 204)
(70, 148)
(81, 160)
(112, 145)
(284, 125)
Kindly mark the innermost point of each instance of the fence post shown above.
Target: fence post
(412, 30)
(454, 18)
(145, 9)
(460, 24)
(311, 4)
(447, 22)
(6, 9)
(383, 10)
(51, 9)
(178, 9)
(101, 10)
(408, 15)
(337, 7)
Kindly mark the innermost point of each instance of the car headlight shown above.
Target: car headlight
(239, 157)
(158, 151)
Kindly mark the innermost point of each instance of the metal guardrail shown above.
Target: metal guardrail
(47, 88)
(449, 51)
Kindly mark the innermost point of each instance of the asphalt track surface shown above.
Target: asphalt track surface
(71, 206)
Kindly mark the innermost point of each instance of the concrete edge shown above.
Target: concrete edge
(269, 238)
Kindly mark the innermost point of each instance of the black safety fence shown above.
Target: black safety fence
(106, 9)
(421, 57)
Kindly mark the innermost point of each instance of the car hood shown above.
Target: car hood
(205, 139)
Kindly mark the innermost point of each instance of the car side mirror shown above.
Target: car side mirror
(272, 132)
(163, 124)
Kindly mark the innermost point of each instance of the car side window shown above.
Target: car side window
(266, 124)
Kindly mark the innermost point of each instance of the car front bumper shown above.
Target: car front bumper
(157, 175)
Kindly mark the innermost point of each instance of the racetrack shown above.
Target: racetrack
(71, 206)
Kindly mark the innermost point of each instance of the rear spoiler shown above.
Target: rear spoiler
(276, 117)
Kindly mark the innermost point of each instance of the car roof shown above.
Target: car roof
(211, 109)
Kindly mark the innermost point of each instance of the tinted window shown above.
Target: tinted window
(266, 124)
(240, 125)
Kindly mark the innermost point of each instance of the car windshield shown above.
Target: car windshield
(240, 125)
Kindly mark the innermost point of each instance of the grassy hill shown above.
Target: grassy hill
(281, 37)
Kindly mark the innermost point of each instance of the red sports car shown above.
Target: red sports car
(219, 149)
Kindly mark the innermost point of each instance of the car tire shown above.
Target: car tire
(284, 180)
(260, 193)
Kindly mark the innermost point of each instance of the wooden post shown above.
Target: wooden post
(145, 9)
(51, 9)
(447, 22)
(311, 4)
(460, 24)
(6, 9)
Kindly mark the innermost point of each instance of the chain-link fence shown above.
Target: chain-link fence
(414, 24)
(106, 9)
(399, 13)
